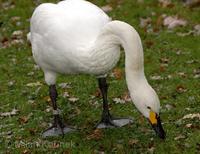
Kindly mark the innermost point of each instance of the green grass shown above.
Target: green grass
(16, 63)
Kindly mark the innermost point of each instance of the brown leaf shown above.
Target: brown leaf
(192, 3)
(47, 99)
(149, 43)
(132, 142)
(126, 97)
(173, 21)
(118, 101)
(179, 137)
(181, 89)
(166, 3)
(7, 114)
(55, 145)
(117, 72)
(23, 119)
(144, 22)
(97, 134)
(32, 131)
(97, 93)
(164, 60)
(107, 8)
(73, 99)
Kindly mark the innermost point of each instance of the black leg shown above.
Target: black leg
(58, 127)
(107, 121)
(103, 86)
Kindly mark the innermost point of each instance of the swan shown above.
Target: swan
(77, 37)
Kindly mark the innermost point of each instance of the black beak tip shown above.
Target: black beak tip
(159, 129)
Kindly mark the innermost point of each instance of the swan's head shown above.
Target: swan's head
(147, 102)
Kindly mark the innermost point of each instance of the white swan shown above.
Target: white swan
(75, 36)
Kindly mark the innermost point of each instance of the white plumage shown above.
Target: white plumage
(75, 36)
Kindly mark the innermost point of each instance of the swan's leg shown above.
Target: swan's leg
(107, 120)
(58, 127)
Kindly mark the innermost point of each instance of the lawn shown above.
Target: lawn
(172, 67)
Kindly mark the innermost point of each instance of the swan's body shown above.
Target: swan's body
(60, 34)
(75, 36)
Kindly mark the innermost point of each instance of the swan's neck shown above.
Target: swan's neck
(125, 35)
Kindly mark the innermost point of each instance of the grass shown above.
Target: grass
(21, 133)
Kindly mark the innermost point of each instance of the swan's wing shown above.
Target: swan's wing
(72, 23)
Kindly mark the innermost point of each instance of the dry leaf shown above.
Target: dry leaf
(126, 97)
(173, 21)
(117, 73)
(23, 119)
(7, 114)
(34, 84)
(65, 94)
(179, 137)
(55, 145)
(192, 3)
(166, 3)
(118, 101)
(17, 34)
(73, 99)
(181, 89)
(107, 8)
(97, 93)
(96, 135)
(182, 74)
(164, 60)
(144, 22)
(132, 142)
(192, 116)
(156, 77)
(65, 85)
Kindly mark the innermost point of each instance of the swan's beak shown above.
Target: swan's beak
(156, 124)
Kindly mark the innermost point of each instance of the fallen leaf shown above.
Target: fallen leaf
(164, 60)
(107, 8)
(149, 43)
(197, 30)
(126, 97)
(32, 131)
(73, 99)
(132, 142)
(145, 22)
(192, 3)
(7, 114)
(179, 137)
(169, 106)
(23, 119)
(181, 89)
(156, 77)
(192, 116)
(166, 3)
(117, 73)
(182, 74)
(97, 134)
(17, 34)
(65, 85)
(188, 125)
(173, 21)
(97, 93)
(34, 84)
(118, 101)
(66, 94)
(55, 145)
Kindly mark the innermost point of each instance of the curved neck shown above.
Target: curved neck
(125, 35)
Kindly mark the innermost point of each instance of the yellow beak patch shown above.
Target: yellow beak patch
(152, 117)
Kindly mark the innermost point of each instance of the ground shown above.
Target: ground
(172, 66)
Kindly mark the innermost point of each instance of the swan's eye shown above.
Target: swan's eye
(149, 107)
